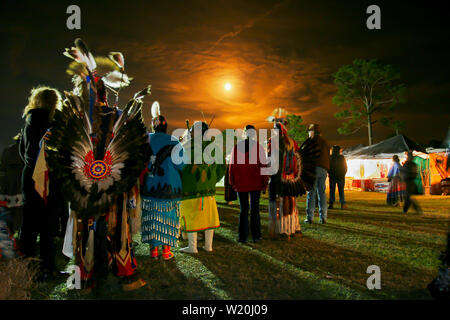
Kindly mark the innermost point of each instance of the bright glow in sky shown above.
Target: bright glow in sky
(228, 86)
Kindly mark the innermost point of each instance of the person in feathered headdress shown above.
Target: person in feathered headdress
(98, 152)
(161, 191)
(294, 177)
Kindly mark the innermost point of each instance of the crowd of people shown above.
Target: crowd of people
(95, 175)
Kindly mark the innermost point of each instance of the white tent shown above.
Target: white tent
(369, 165)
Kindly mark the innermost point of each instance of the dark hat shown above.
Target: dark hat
(336, 148)
(159, 124)
(314, 127)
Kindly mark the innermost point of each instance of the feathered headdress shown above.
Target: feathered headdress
(110, 69)
(93, 180)
(297, 166)
(156, 110)
(159, 122)
(278, 115)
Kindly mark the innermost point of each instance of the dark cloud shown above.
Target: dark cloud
(274, 53)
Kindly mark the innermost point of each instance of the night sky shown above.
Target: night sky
(273, 53)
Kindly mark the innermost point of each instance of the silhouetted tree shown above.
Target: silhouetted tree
(397, 125)
(296, 129)
(366, 88)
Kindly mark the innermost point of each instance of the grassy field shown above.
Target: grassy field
(328, 262)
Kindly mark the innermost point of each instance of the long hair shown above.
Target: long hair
(43, 97)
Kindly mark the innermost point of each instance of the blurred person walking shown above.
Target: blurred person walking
(409, 174)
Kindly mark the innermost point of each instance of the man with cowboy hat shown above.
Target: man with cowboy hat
(322, 167)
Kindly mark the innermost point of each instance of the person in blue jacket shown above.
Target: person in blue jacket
(161, 193)
(395, 190)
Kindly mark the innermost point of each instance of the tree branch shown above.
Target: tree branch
(354, 131)
(371, 97)
(385, 101)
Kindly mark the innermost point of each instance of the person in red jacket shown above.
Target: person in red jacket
(247, 159)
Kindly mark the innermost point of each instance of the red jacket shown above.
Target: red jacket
(245, 177)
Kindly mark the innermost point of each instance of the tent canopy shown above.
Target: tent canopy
(396, 145)
(352, 149)
(446, 142)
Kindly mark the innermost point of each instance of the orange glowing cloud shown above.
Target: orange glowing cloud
(187, 83)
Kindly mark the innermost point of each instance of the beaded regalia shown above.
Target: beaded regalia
(295, 176)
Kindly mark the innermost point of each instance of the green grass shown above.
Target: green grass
(328, 262)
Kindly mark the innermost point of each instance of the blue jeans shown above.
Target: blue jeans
(319, 187)
(340, 184)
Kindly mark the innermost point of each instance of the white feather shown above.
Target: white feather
(115, 174)
(77, 163)
(80, 150)
(85, 182)
(88, 127)
(116, 79)
(141, 94)
(121, 157)
(80, 57)
(105, 183)
(118, 58)
(115, 170)
(156, 109)
(90, 61)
